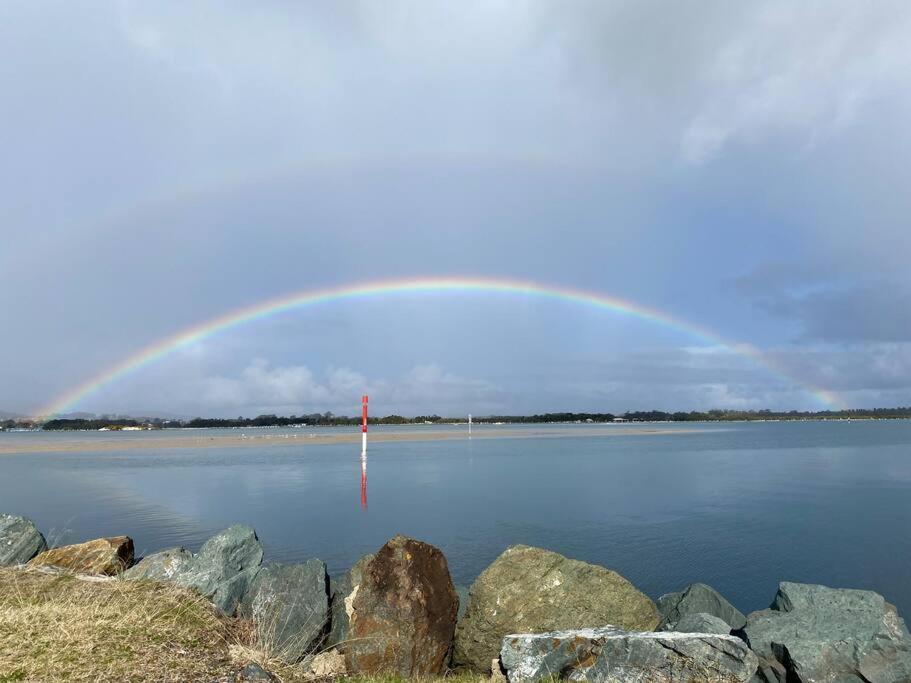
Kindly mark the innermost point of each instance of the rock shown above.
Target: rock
(108, 556)
(612, 655)
(696, 598)
(254, 673)
(328, 664)
(340, 590)
(289, 605)
(403, 612)
(699, 623)
(769, 672)
(224, 567)
(20, 540)
(161, 566)
(221, 571)
(817, 633)
(533, 590)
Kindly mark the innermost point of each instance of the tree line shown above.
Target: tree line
(328, 419)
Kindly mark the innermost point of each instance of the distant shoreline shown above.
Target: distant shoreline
(115, 441)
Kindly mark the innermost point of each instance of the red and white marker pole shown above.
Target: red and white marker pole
(364, 426)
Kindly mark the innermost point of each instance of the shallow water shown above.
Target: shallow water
(738, 506)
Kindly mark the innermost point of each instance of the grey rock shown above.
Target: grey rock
(227, 595)
(341, 588)
(533, 590)
(224, 567)
(818, 633)
(700, 622)
(612, 655)
(161, 566)
(20, 540)
(694, 599)
(221, 571)
(254, 673)
(769, 671)
(289, 605)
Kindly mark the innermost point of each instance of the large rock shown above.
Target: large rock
(533, 590)
(825, 634)
(221, 571)
(161, 566)
(612, 655)
(20, 540)
(700, 622)
(694, 599)
(108, 556)
(403, 612)
(340, 590)
(289, 605)
(224, 567)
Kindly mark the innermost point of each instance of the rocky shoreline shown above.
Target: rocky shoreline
(531, 614)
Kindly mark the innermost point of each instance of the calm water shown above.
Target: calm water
(737, 506)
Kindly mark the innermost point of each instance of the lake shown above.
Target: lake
(738, 506)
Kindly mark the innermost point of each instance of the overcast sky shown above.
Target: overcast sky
(741, 166)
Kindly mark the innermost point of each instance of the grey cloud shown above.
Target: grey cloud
(830, 307)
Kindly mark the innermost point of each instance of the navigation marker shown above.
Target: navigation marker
(364, 427)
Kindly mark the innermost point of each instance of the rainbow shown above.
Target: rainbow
(423, 285)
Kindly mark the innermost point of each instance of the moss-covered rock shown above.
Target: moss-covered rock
(528, 590)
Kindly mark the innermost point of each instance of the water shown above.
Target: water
(737, 506)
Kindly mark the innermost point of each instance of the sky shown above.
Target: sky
(742, 167)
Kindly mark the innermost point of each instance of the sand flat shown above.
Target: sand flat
(119, 441)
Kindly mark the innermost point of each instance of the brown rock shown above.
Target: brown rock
(108, 556)
(403, 613)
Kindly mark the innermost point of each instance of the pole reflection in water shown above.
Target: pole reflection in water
(364, 480)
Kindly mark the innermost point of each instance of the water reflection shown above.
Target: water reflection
(364, 480)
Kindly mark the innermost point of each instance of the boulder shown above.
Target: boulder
(289, 605)
(816, 633)
(20, 540)
(403, 612)
(161, 566)
(697, 598)
(700, 622)
(340, 590)
(107, 556)
(533, 590)
(221, 571)
(612, 655)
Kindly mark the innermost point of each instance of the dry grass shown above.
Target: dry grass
(61, 628)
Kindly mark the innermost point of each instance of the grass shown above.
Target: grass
(55, 627)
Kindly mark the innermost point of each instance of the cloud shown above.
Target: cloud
(265, 388)
(706, 76)
(833, 307)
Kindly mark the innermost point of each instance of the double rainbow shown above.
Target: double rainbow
(423, 285)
